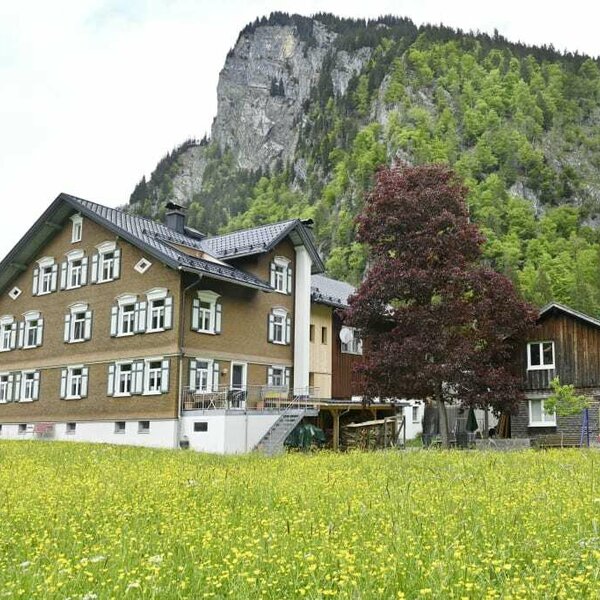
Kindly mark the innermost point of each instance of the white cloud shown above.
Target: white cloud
(94, 92)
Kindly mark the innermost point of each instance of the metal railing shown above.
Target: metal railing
(251, 397)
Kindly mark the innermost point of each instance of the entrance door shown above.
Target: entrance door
(238, 385)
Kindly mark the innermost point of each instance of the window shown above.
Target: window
(70, 428)
(156, 315)
(5, 387)
(159, 311)
(312, 333)
(142, 265)
(119, 426)
(281, 275)
(206, 313)
(127, 319)
(204, 375)
(76, 228)
(200, 426)
(323, 335)
(78, 324)
(73, 272)
(74, 382)
(538, 417)
(106, 264)
(143, 426)
(124, 379)
(15, 293)
(22, 428)
(279, 327)
(154, 377)
(353, 345)
(30, 385)
(126, 316)
(30, 330)
(540, 355)
(278, 376)
(45, 276)
(8, 333)
(415, 414)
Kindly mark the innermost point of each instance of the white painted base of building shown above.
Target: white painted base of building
(223, 433)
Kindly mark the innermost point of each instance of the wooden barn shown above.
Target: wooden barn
(566, 344)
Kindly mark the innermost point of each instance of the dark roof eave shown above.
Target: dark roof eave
(257, 286)
(548, 308)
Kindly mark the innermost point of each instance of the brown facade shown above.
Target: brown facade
(243, 338)
(343, 385)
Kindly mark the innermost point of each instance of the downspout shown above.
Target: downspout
(181, 356)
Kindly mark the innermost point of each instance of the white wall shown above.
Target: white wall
(161, 435)
(302, 320)
(227, 434)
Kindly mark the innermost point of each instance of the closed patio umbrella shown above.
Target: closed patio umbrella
(472, 425)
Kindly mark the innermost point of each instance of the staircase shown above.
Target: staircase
(272, 442)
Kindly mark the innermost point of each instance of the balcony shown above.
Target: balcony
(252, 397)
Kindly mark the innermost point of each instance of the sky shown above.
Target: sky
(94, 92)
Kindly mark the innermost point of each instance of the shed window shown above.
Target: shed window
(200, 426)
(538, 417)
(540, 355)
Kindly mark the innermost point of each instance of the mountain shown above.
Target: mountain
(308, 108)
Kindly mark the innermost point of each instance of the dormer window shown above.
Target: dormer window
(73, 272)
(540, 355)
(206, 313)
(45, 277)
(279, 327)
(281, 275)
(106, 264)
(77, 228)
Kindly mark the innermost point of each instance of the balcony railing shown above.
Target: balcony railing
(251, 397)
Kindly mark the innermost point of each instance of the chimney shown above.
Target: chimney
(175, 217)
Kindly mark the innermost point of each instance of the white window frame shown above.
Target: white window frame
(355, 345)
(551, 418)
(28, 386)
(142, 265)
(77, 309)
(67, 279)
(73, 378)
(542, 366)
(29, 318)
(118, 372)
(6, 388)
(76, 228)
(156, 294)
(15, 293)
(280, 278)
(44, 264)
(271, 376)
(103, 249)
(415, 414)
(209, 375)
(123, 301)
(7, 332)
(147, 376)
(280, 314)
(211, 298)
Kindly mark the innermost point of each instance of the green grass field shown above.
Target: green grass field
(82, 521)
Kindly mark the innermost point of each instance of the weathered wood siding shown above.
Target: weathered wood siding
(576, 354)
(342, 384)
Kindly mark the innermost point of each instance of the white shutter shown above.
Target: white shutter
(39, 333)
(85, 373)
(168, 312)
(288, 330)
(94, 268)
(148, 316)
(193, 370)
(67, 332)
(36, 279)
(270, 333)
(11, 383)
(117, 263)
(87, 332)
(138, 377)
(17, 394)
(272, 275)
(286, 381)
(63, 275)
(54, 279)
(110, 389)
(289, 279)
(63, 383)
(13, 336)
(218, 313)
(21, 341)
(164, 380)
(114, 323)
(36, 385)
(84, 270)
(215, 376)
(141, 317)
(270, 376)
(195, 314)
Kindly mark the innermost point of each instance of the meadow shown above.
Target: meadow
(95, 522)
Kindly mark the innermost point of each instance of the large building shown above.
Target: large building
(116, 328)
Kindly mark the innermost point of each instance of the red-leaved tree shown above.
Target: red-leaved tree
(436, 322)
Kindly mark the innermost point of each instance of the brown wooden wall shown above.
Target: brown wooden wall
(342, 384)
(576, 353)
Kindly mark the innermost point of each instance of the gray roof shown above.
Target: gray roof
(556, 307)
(332, 292)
